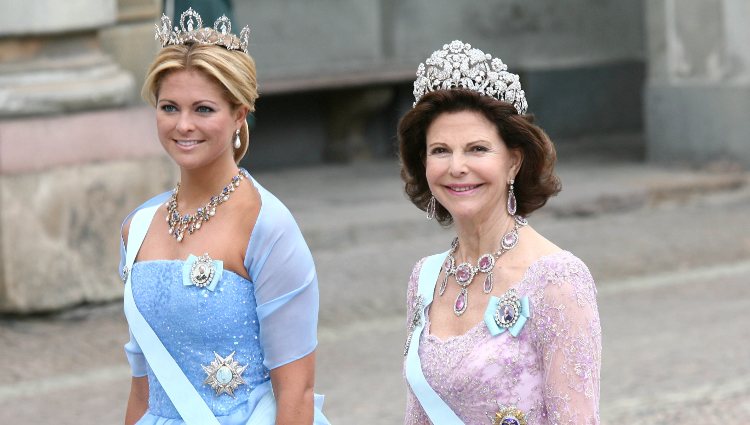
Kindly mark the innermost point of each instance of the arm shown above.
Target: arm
(281, 268)
(137, 401)
(293, 389)
(567, 320)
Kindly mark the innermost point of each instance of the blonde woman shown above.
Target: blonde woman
(221, 293)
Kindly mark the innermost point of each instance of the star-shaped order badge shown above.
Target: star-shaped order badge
(509, 415)
(507, 313)
(224, 374)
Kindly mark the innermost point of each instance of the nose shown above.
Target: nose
(458, 166)
(184, 123)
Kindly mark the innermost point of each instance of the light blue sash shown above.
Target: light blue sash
(435, 408)
(184, 396)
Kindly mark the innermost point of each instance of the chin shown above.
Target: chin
(471, 214)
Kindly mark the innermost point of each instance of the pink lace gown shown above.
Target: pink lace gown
(550, 371)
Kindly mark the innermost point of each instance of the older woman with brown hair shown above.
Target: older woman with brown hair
(522, 346)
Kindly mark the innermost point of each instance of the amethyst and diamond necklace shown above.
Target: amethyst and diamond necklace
(179, 225)
(465, 272)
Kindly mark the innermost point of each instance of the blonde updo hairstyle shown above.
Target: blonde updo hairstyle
(232, 70)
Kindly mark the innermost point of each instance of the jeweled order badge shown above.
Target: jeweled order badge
(224, 374)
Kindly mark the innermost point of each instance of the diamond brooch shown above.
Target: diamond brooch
(508, 312)
(224, 374)
(202, 272)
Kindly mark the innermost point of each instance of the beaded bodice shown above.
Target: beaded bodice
(550, 371)
(193, 323)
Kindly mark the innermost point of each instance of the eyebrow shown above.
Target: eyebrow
(198, 102)
(473, 142)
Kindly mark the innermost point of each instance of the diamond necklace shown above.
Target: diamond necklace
(179, 224)
(465, 272)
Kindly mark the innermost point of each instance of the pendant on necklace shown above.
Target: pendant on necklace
(462, 301)
(485, 265)
(488, 283)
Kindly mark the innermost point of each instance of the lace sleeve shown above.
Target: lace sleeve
(567, 320)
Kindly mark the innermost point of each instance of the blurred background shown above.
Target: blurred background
(646, 100)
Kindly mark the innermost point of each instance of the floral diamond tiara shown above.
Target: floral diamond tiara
(192, 31)
(458, 65)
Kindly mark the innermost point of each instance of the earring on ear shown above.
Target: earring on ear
(511, 207)
(431, 208)
(237, 142)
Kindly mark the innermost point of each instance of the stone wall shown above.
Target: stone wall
(698, 91)
(74, 156)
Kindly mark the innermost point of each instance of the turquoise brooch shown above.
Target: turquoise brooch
(507, 313)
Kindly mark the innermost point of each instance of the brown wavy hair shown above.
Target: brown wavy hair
(232, 70)
(536, 180)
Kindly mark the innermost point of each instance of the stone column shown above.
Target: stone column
(73, 157)
(130, 41)
(698, 90)
(51, 61)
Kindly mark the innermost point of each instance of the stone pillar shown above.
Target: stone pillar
(73, 158)
(698, 89)
(130, 41)
(52, 62)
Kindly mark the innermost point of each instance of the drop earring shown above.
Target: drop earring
(512, 205)
(237, 142)
(431, 208)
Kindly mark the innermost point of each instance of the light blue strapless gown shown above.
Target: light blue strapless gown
(193, 323)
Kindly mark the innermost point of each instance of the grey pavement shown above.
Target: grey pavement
(669, 248)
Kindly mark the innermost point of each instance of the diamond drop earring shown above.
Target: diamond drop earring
(431, 208)
(511, 207)
(237, 142)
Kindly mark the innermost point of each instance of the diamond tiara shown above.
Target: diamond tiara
(458, 65)
(192, 31)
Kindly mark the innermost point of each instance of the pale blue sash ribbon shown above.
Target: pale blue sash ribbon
(184, 396)
(435, 408)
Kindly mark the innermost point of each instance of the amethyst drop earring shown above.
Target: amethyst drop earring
(511, 207)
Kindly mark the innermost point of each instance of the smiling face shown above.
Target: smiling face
(195, 122)
(468, 166)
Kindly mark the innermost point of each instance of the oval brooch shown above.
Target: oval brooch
(202, 272)
(508, 312)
